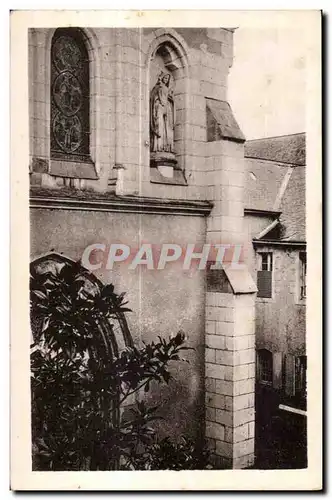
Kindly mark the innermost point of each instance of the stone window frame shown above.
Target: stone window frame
(180, 69)
(298, 298)
(44, 163)
(302, 276)
(291, 389)
(300, 375)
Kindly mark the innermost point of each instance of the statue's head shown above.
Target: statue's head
(166, 79)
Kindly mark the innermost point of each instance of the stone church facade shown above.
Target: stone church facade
(132, 141)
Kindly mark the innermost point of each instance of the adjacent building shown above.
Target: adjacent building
(275, 220)
(274, 216)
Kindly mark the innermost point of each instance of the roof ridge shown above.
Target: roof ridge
(285, 164)
(282, 189)
(276, 136)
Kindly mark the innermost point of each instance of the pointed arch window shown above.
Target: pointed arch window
(54, 266)
(70, 96)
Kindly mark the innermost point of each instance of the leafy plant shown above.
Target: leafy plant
(80, 379)
(166, 454)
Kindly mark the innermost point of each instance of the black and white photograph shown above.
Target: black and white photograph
(167, 245)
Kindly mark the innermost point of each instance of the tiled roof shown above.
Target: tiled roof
(263, 183)
(293, 207)
(268, 176)
(288, 149)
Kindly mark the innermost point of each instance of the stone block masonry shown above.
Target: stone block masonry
(230, 380)
(229, 314)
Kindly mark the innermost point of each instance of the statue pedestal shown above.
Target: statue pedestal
(162, 158)
(166, 170)
(164, 162)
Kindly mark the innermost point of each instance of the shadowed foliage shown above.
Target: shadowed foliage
(80, 379)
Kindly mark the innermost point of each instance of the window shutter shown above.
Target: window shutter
(264, 284)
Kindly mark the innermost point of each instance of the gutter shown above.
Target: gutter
(263, 213)
(282, 243)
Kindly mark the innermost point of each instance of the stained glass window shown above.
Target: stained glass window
(70, 124)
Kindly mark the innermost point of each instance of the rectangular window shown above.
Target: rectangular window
(264, 275)
(303, 275)
(265, 366)
(300, 376)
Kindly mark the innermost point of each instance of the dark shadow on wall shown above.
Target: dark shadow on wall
(281, 437)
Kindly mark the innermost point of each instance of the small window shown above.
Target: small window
(300, 376)
(265, 366)
(264, 275)
(303, 275)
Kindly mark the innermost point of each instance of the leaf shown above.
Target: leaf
(39, 294)
(107, 291)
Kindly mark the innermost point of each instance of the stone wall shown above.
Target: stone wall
(162, 302)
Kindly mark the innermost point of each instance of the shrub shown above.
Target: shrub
(80, 380)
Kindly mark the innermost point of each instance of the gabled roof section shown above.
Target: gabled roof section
(293, 207)
(289, 149)
(290, 225)
(279, 185)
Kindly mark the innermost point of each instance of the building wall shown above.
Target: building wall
(162, 302)
(280, 321)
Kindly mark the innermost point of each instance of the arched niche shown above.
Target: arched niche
(168, 88)
(54, 264)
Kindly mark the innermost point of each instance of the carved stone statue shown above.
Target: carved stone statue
(162, 115)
